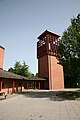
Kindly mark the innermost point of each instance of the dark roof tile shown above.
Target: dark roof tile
(9, 75)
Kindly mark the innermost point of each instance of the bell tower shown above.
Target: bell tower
(48, 66)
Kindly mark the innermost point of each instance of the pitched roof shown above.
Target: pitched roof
(9, 75)
(6, 74)
(48, 32)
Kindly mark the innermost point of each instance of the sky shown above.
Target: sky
(22, 21)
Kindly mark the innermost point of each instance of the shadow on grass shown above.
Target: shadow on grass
(53, 95)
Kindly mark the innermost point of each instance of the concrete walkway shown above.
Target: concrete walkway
(39, 105)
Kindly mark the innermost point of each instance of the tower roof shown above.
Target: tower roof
(48, 32)
(2, 47)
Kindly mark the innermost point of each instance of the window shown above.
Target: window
(2, 84)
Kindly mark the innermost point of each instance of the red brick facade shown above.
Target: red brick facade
(56, 77)
(10, 82)
(48, 65)
(1, 56)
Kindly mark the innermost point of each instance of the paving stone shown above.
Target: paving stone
(41, 107)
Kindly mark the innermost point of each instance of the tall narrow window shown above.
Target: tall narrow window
(2, 84)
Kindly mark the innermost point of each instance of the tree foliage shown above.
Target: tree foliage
(69, 53)
(21, 69)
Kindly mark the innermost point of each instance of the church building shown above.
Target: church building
(50, 72)
(10, 82)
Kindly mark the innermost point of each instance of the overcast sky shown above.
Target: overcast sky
(22, 21)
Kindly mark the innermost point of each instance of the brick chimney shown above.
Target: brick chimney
(1, 56)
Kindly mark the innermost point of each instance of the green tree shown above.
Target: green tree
(36, 75)
(21, 69)
(69, 53)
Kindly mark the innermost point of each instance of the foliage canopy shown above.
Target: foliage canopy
(21, 69)
(69, 53)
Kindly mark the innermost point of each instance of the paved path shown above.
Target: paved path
(46, 105)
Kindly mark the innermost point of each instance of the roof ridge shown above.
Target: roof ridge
(2, 47)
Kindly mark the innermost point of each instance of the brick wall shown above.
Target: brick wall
(56, 75)
(1, 56)
(43, 66)
(49, 68)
